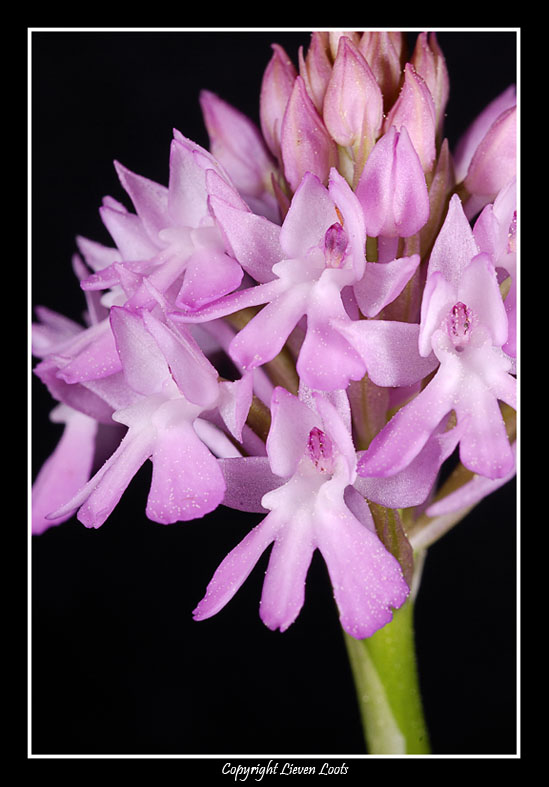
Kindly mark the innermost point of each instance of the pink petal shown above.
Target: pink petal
(96, 255)
(251, 239)
(353, 103)
(94, 355)
(219, 186)
(491, 236)
(209, 274)
(236, 567)
(247, 479)
(316, 67)
(392, 188)
(75, 395)
(327, 361)
(266, 334)
(145, 368)
(383, 282)
(65, 471)
(353, 219)
(194, 375)
(383, 50)
(439, 295)
(229, 304)
(337, 425)
(429, 62)
(337, 400)
(97, 499)
(52, 332)
(235, 400)
(412, 485)
(470, 494)
(150, 200)
(415, 110)
(236, 142)
(367, 580)
(305, 142)
(479, 289)
(167, 270)
(276, 87)
(472, 138)
(292, 421)
(105, 278)
(455, 245)
(187, 197)
(215, 437)
(403, 438)
(310, 214)
(186, 480)
(411, 199)
(358, 506)
(284, 586)
(127, 231)
(484, 446)
(390, 351)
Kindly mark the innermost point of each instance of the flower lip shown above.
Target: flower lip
(459, 323)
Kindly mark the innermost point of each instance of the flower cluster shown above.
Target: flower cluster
(307, 322)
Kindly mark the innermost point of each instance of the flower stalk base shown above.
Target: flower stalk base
(385, 674)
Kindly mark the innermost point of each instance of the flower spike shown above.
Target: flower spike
(313, 320)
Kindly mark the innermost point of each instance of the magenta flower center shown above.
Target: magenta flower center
(335, 244)
(459, 324)
(321, 450)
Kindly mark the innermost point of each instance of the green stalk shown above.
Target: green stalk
(385, 674)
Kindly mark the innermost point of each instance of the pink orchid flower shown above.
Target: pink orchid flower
(306, 485)
(171, 242)
(464, 325)
(168, 385)
(312, 266)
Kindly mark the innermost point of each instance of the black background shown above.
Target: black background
(118, 665)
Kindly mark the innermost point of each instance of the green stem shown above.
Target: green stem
(386, 680)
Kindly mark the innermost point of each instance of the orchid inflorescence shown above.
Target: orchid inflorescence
(311, 321)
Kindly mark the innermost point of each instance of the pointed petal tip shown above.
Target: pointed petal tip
(198, 614)
(276, 622)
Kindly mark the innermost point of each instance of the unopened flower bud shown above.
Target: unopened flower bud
(316, 67)
(392, 188)
(415, 109)
(353, 106)
(428, 61)
(473, 136)
(276, 87)
(305, 142)
(383, 52)
(493, 165)
(237, 144)
(336, 35)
